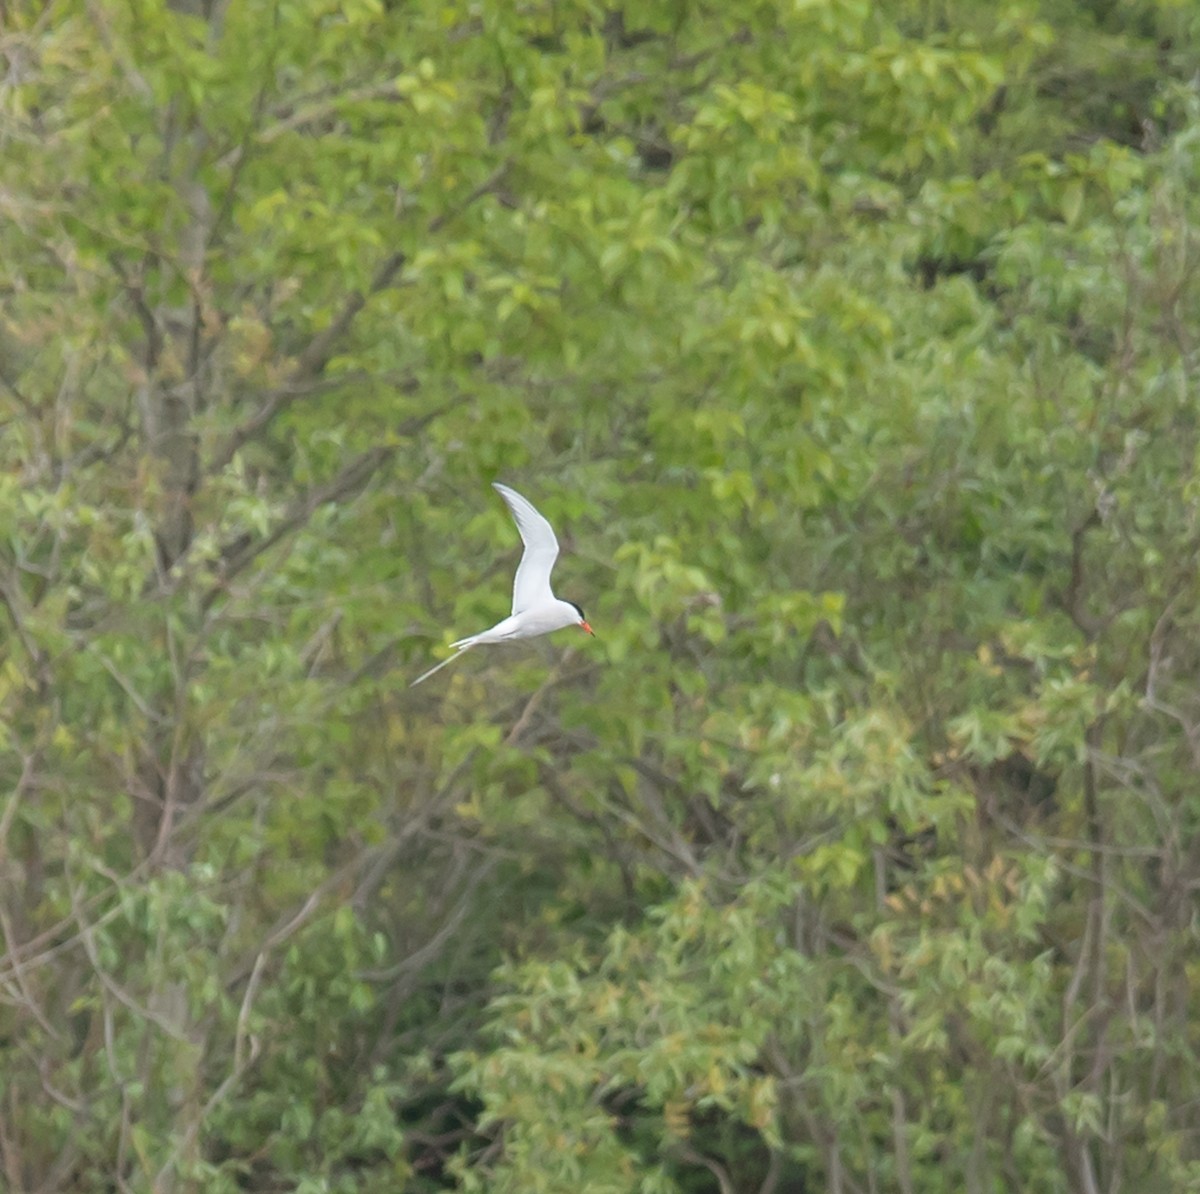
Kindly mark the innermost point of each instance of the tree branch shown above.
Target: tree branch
(242, 552)
(315, 356)
(237, 555)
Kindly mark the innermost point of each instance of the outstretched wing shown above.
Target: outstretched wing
(531, 585)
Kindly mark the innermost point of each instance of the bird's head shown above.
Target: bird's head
(583, 622)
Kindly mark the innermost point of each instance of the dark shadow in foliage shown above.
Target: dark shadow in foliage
(718, 1152)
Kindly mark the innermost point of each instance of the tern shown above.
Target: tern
(535, 609)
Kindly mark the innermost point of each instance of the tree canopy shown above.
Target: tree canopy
(850, 348)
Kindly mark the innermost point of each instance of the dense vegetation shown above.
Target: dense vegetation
(854, 351)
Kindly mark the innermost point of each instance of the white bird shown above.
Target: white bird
(535, 609)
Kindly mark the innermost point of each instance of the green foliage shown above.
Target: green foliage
(851, 350)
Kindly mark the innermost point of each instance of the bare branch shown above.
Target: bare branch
(687, 1153)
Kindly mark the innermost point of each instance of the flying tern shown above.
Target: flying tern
(535, 609)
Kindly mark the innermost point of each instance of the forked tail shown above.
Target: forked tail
(466, 645)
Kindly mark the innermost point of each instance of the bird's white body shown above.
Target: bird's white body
(535, 609)
(529, 623)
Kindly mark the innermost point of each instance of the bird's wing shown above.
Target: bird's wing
(531, 585)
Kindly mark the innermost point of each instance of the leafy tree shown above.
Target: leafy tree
(850, 349)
